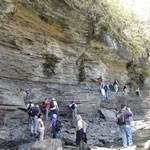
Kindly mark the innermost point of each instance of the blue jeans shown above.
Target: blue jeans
(46, 114)
(126, 135)
(54, 111)
(74, 112)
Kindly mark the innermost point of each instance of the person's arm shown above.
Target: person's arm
(57, 106)
(130, 113)
(41, 123)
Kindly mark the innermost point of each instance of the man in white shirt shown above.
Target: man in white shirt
(54, 107)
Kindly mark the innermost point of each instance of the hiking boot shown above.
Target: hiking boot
(31, 134)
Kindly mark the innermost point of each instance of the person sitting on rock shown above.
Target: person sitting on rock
(73, 107)
(41, 127)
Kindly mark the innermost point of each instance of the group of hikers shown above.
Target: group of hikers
(51, 115)
(37, 120)
(106, 87)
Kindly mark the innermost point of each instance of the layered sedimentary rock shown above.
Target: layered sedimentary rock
(54, 48)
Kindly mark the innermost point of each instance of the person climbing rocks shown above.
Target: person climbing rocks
(30, 118)
(41, 127)
(46, 106)
(34, 124)
(81, 137)
(55, 126)
(54, 109)
(73, 107)
(107, 89)
(137, 92)
(116, 86)
(125, 126)
(125, 90)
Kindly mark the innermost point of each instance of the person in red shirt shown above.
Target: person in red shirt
(46, 105)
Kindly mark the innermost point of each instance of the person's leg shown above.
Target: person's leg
(124, 135)
(46, 114)
(41, 138)
(35, 124)
(32, 126)
(55, 135)
(129, 135)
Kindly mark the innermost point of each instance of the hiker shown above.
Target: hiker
(41, 127)
(34, 124)
(73, 107)
(29, 106)
(137, 92)
(54, 107)
(46, 107)
(125, 126)
(99, 80)
(103, 94)
(55, 126)
(81, 137)
(107, 89)
(116, 86)
(125, 90)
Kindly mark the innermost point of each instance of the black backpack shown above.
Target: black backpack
(51, 104)
(58, 125)
(29, 107)
(73, 106)
(32, 111)
(120, 118)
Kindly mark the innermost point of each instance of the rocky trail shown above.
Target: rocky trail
(102, 132)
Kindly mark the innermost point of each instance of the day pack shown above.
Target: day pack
(29, 107)
(106, 87)
(32, 111)
(85, 126)
(73, 106)
(120, 118)
(58, 125)
(51, 104)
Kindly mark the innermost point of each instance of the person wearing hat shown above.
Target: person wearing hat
(54, 107)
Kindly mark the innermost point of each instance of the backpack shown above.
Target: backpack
(29, 107)
(32, 111)
(58, 125)
(73, 106)
(120, 118)
(52, 104)
(106, 87)
(85, 126)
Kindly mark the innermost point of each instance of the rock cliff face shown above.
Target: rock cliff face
(56, 48)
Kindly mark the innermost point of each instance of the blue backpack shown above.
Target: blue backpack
(73, 106)
(52, 104)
